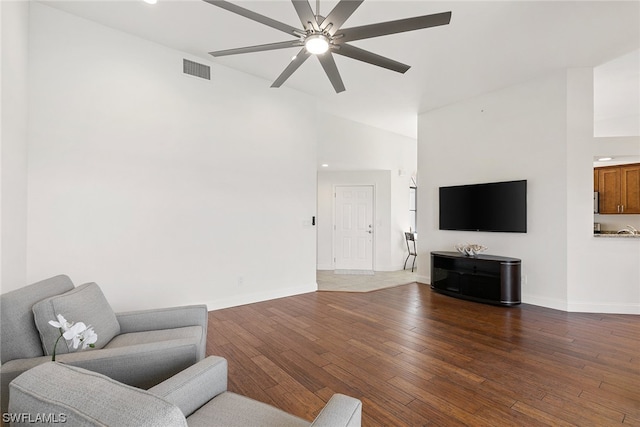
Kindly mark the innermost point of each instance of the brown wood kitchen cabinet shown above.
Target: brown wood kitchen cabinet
(619, 188)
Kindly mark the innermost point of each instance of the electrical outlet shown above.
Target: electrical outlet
(240, 280)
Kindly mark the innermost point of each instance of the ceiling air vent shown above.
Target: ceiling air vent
(195, 69)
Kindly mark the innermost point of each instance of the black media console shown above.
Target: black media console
(483, 278)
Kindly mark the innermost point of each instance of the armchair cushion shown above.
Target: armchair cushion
(85, 304)
(86, 398)
(233, 410)
(166, 318)
(192, 333)
(19, 338)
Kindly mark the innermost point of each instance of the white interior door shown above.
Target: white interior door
(353, 228)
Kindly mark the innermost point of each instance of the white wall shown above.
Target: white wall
(13, 152)
(539, 131)
(616, 89)
(516, 133)
(163, 188)
(603, 273)
(361, 154)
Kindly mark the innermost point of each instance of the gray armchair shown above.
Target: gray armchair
(197, 396)
(140, 348)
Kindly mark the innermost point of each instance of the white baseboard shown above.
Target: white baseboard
(581, 306)
(355, 272)
(553, 303)
(397, 267)
(243, 299)
(424, 279)
(324, 267)
(587, 307)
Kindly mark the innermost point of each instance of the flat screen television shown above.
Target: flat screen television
(495, 206)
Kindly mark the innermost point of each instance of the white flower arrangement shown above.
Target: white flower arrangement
(78, 333)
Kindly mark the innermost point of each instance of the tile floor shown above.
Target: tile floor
(328, 280)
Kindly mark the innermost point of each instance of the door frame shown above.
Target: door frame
(373, 220)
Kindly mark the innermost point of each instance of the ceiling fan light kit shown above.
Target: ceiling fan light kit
(316, 44)
(324, 36)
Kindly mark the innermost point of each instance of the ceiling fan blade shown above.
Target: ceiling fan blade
(392, 27)
(258, 48)
(296, 32)
(295, 63)
(339, 15)
(330, 67)
(308, 19)
(370, 57)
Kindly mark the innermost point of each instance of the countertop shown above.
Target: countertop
(615, 235)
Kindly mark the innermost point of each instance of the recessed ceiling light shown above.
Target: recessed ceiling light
(605, 159)
(324, 165)
(150, 1)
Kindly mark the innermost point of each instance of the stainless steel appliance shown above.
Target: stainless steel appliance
(596, 202)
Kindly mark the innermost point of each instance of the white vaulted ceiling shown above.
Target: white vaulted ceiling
(487, 46)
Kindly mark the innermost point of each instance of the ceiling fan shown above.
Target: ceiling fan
(322, 36)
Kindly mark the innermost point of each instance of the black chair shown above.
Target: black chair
(410, 238)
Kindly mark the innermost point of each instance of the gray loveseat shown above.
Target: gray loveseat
(56, 393)
(139, 348)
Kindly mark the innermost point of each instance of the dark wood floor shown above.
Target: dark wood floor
(415, 357)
